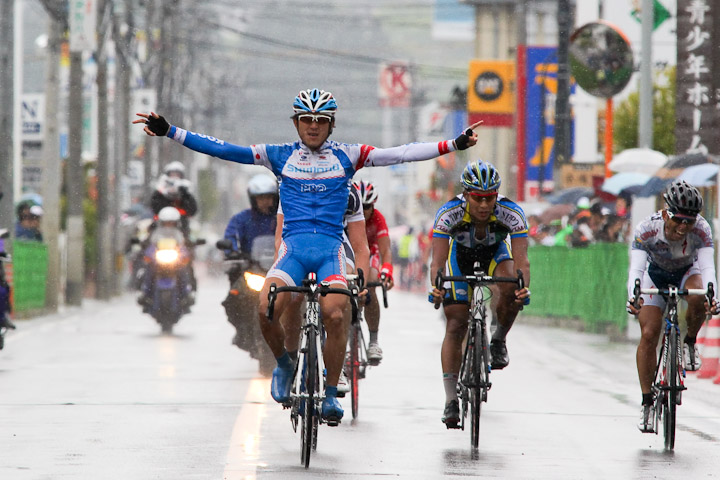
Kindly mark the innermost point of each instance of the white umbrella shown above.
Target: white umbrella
(642, 160)
(702, 175)
(620, 181)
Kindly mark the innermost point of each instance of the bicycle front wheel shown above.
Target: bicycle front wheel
(673, 387)
(478, 394)
(354, 368)
(309, 420)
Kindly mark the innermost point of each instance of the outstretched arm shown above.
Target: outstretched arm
(414, 152)
(156, 125)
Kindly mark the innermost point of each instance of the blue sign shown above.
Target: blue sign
(541, 73)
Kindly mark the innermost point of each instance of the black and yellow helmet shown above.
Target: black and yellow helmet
(479, 175)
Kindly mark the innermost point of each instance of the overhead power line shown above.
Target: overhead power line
(361, 58)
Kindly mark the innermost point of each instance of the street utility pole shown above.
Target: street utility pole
(122, 33)
(52, 163)
(562, 102)
(106, 196)
(75, 186)
(7, 112)
(645, 122)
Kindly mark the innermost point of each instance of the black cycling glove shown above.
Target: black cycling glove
(461, 142)
(159, 126)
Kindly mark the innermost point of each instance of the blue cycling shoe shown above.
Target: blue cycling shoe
(332, 411)
(281, 384)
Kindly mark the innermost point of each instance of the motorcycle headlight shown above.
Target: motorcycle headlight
(255, 282)
(167, 256)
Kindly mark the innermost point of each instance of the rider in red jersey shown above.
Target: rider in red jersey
(380, 262)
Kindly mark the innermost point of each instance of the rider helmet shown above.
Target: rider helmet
(683, 198)
(368, 194)
(169, 215)
(479, 175)
(263, 185)
(315, 101)
(175, 168)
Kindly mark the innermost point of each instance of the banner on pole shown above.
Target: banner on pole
(83, 25)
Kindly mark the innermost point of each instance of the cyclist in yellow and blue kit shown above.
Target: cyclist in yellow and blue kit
(475, 227)
(314, 175)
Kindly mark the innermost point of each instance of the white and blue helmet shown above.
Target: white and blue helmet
(315, 101)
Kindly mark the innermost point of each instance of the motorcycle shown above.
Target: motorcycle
(168, 263)
(246, 273)
(4, 290)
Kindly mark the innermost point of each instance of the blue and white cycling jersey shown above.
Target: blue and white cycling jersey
(313, 184)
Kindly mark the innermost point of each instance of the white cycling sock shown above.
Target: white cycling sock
(450, 383)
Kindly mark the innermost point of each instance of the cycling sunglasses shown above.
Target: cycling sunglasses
(308, 118)
(682, 218)
(476, 193)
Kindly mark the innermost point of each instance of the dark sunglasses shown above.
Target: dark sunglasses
(680, 218)
(308, 118)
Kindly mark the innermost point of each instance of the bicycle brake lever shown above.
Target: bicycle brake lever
(271, 302)
(521, 280)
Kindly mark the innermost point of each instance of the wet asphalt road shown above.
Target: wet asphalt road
(97, 392)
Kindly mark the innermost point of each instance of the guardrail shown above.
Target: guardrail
(29, 276)
(584, 283)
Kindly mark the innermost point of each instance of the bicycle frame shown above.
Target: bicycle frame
(308, 384)
(356, 361)
(670, 372)
(474, 377)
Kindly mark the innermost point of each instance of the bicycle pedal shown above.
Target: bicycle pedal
(374, 363)
(332, 421)
(453, 426)
(340, 394)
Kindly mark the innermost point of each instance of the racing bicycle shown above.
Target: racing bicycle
(356, 360)
(474, 378)
(308, 384)
(670, 372)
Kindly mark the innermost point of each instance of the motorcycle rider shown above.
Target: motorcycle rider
(168, 226)
(243, 228)
(173, 190)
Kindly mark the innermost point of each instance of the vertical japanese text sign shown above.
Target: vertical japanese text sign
(697, 61)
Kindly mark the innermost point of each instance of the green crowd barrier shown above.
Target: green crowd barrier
(30, 263)
(585, 283)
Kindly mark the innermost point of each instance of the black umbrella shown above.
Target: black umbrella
(570, 195)
(654, 186)
(685, 160)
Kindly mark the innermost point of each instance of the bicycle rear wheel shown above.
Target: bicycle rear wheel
(354, 368)
(308, 431)
(672, 379)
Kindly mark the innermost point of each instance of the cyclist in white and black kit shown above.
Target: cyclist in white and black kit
(314, 173)
(673, 246)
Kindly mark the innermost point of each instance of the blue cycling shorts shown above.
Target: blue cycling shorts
(303, 253)
(459, 292)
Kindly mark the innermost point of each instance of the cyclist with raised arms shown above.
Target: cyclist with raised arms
(357, 255)
(673, 246)
(378, 238)
(314, 173)
(475, 227)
